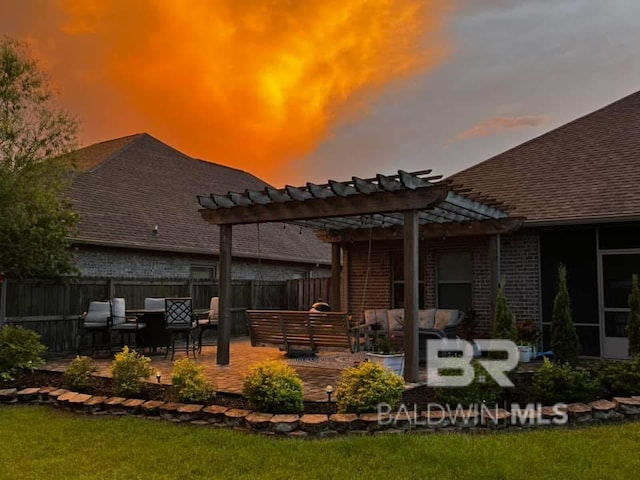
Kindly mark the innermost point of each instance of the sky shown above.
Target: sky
(297, 91)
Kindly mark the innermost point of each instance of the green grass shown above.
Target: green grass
(40, 442)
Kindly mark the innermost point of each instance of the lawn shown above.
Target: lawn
(40, 442)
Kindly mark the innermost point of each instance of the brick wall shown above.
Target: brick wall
(519, 265)
(121, 263)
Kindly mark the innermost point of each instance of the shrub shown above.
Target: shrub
(273, 387)
(504, 324)
(191, 385)
(619, 378)
(78, 375)
(564, 338)
(128, 369)
(362, 388)
(633, 327)
(20, 349)
(483, 389)
(561, 382)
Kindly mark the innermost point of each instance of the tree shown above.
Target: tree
(633, 327)
(564, 338)
(37, 139)
(504, 324)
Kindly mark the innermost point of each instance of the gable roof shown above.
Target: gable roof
(128, 185)
(586, 170)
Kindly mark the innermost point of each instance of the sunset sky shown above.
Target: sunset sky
(308, 90)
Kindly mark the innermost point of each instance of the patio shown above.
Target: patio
(316, 372)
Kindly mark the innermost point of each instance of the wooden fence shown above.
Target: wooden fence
(52, 307)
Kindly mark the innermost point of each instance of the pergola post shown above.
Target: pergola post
(411, 297)
(224, 292)
(344, 293)
(335, 277)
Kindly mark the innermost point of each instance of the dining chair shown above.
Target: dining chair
(209, 320)
(154, 303)
(179, 320)
(123, 325)
(95, 322)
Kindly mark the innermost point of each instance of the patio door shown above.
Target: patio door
(616, 269)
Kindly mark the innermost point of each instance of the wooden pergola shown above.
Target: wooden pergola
(407, 205)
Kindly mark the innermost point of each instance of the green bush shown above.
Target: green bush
(362, 388)
(128, 369)
(560, 382)
(483, 389)
(564, 338)
(504, 323)
(190, 383)
(79, 374)
(273, 387)
(20, 349)
(619, 378)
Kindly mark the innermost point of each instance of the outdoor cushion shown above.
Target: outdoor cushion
(395, 318)
(444, 318)
(117, 311)
(97, 314)
(426, 318)
(151, 303)
(377, 316)
(370, 317)
(213, 309)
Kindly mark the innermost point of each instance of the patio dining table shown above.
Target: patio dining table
(155, 335)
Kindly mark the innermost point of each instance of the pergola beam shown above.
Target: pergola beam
(471, 228)
(314, 208)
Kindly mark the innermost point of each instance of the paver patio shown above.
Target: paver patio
(316, 375)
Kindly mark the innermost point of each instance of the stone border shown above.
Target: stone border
(326, 426)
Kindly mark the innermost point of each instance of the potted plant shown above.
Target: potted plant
(528, 338)
(386, 355)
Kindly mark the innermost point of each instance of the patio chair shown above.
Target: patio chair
(95, 322)
(209, 322)
(153, 303)
(123, 325)
(179, 320)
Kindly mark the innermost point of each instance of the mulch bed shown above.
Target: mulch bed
(152, 391)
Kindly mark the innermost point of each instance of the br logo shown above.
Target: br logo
(449, 354)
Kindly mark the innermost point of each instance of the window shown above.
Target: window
(454, 281)
(397, 281)
(202, 273)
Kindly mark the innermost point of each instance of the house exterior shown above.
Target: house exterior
(136, 198)
(577, 189)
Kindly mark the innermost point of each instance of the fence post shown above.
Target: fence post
(252, 290)
(112, 287)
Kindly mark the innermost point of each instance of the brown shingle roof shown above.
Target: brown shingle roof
(128, 185)
(585, 170)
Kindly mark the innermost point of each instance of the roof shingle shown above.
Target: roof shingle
(128, 185)
(587, 169)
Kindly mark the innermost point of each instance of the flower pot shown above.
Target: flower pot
(391, 361)
(525, 353)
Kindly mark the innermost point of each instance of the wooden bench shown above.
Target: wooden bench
(295, 332)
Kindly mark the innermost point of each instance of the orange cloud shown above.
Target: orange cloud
(496, 125)
(250, 83)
